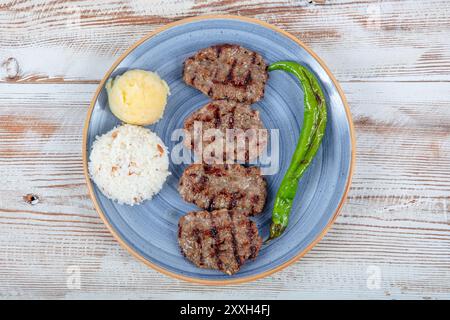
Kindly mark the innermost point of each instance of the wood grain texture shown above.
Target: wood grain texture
(53, 41)
(393, 60)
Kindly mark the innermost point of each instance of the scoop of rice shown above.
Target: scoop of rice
(129, 164)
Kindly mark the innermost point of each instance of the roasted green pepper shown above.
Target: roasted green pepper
(312, 132)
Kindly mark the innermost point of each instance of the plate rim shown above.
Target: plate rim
(133, 252)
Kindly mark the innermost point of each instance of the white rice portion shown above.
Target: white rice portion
(129, 164)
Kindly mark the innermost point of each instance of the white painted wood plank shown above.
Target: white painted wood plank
(395, 222)
(359, 40)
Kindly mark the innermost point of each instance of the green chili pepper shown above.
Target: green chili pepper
(320, 131)
(313, 129)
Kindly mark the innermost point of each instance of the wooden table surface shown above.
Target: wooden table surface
(392, 58)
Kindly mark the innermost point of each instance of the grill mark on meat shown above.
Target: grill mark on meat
(217, 118)
(211, 204)
(253, 252)
(206, 233)
(230, 77)
(250, 236)
(224, 115)
(203, 180)
(234, 241)
(224, 187)
(215, 235)
(218, 240)
(198, 239)
(248, 79)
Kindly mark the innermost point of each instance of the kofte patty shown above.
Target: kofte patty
(223, 240)
(213, 187)
(245, 143)
(227, 71)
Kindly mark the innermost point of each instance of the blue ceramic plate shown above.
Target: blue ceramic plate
(149, 231)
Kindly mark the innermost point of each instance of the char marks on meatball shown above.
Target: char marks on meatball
(227, 71)
(240, 136)
(213, 187)
(223, 239)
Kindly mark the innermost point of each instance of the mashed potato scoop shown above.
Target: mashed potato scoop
(137, 96)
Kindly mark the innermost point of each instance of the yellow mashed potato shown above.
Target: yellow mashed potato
(137, 97)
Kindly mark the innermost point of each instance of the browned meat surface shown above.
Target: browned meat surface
(213, 187)
(223, 240)
(227, 72)
(245, 143)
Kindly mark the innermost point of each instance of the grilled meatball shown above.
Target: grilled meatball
(227, 71)
(245, 143)
(213, 187)
(221, 240)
